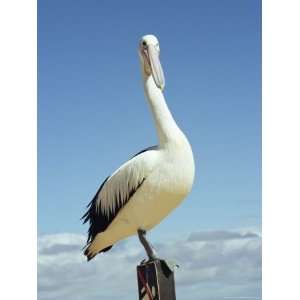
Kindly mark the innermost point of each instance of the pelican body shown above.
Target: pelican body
(145, 189)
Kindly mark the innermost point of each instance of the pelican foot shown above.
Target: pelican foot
(171, 265)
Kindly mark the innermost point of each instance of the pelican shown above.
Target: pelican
(146, 188)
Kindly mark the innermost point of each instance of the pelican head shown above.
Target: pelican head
(149, 55)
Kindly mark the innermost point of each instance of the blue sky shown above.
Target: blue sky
(92, 115)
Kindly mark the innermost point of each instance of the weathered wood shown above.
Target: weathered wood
(155, 281)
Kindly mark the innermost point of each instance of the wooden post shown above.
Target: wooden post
(155, 281)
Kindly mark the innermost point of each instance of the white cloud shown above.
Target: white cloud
(213, 265)
(220, 235)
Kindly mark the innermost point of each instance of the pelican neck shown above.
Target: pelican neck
(167, 129)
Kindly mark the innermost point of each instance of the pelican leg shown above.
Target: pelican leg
(146, 244)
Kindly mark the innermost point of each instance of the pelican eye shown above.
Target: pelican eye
(144, 43)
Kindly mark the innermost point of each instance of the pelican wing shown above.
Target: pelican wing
(117, 190)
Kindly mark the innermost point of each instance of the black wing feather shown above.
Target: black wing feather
(97, 220)
(145, 150)
(97, 223)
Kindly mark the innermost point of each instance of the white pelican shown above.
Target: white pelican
(145, 189)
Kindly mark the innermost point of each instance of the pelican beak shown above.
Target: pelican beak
(156, 69)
